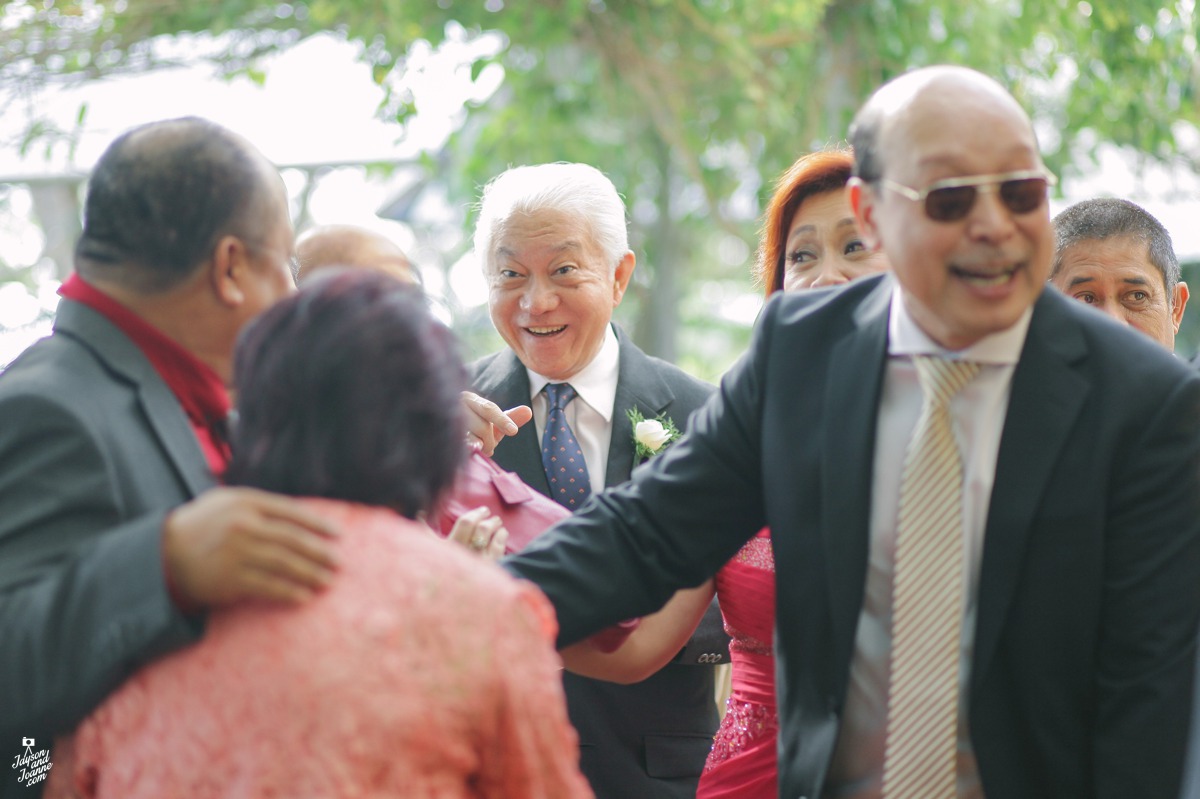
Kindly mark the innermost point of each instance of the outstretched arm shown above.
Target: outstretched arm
(656, 641)
(681, 517)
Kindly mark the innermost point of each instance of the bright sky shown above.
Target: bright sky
(317, 105)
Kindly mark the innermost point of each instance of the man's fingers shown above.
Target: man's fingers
(300, 542)
(284, 563)
(481, 411)
(519, 415)
(285, 509)
(269, 586)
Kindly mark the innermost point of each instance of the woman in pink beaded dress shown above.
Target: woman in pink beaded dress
(809, 240)
(423, 670)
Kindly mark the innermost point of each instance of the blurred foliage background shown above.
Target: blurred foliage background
(692, 107)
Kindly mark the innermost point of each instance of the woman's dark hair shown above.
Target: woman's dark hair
(349, 389)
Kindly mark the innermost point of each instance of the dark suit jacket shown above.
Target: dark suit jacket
(649, 739)
(94, 449)
(1089, 596)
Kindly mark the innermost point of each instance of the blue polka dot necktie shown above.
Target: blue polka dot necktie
(562, 457)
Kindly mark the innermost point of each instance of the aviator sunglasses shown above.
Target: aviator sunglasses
(952, 199)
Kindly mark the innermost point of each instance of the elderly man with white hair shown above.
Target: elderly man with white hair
(554, 250)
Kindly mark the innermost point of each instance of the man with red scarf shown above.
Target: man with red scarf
(114, 537)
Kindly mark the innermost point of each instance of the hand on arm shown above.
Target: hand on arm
(651, 646)
(487, 423)
(231, 544)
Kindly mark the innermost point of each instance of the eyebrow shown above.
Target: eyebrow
(812, 228)
(1132, 281)
(569, 244)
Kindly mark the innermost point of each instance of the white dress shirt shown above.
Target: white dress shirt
(977, 413)
(590, 413)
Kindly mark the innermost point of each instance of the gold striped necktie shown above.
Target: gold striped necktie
(922, 726)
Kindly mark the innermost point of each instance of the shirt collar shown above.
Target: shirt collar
(596, 383)
(906, 338)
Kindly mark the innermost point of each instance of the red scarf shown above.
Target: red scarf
(197, 387)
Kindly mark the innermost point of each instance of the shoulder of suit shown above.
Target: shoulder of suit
(58, 387)
(689, 392)
(55, 366)
(490, 370)
(679, 380)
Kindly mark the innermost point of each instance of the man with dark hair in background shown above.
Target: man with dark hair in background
(1113, 255)
(114, 540)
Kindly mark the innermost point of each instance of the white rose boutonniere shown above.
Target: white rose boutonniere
(651, 436)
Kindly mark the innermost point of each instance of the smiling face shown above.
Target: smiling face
(1115, 276)
(824, 247)
(551, 292)
(969, 278)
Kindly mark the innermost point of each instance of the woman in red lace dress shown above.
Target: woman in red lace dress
(423, 670)
(809, 240)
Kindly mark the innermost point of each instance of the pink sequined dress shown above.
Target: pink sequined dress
(743, 763)
(423, 671)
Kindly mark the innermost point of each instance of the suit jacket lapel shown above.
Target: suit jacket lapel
(176, 434)
(852, 393)
(505, 382)
(162, 410)
(639, 385)
(1046, 397)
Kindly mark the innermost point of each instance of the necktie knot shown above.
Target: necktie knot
(941, 378)
(559, 395)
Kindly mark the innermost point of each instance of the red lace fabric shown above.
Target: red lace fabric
(422, 672)
(743, 762)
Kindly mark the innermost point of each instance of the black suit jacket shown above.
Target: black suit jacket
(649, 739)
(1089, 596)
(94, 449)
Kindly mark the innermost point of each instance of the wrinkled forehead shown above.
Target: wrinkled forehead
(540, 230)
(1125, 256)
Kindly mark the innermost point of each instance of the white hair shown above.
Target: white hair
(579, 190)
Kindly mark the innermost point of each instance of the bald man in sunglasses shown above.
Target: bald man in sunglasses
(984, 498)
